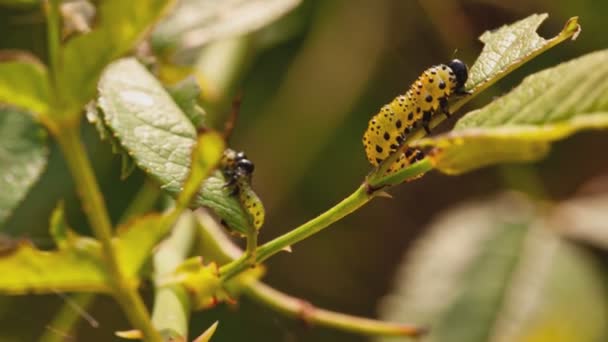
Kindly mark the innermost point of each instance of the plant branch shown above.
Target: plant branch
(171, 303)
(361, 196)
(53, 27)
(347, 206)
(94, 207)
(298, 308)
(216, 245)
(67, 317)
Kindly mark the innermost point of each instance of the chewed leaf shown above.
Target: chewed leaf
(23, 156)
(510, 44)
(508, 48)
(159, 136)
(520, 126)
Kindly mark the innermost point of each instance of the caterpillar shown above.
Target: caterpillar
(237, 170)
(388, 129)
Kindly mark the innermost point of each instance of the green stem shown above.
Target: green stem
(297, 308)
(218, 247)
(347, 206)
(411, 172)
(172, 303)
(67, 316)
(251, 248)
(94, 207)
(53, 28)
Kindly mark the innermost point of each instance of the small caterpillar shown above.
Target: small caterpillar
(237, 170)
(388, 129)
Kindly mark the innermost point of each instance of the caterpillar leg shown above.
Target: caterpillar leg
(462, 92)
(426, 119)
(410, 156)
(445, 109)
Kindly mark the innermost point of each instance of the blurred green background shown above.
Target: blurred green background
(306, 102)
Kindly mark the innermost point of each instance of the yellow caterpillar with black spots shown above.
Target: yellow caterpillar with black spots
(388, 129)
(237, 170)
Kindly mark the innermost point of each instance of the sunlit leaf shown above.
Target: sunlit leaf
(120, 25)
(520, 126)
(24, 83)
(159, 136)
(23, 156)
(510, 46)
(75, 266)
(135, 241)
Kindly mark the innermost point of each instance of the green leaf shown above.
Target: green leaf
(95, 116)
(520, 126)
(136, 239)
(496, 271)
(512, 45)
(194, 22)
(75, 266)
(121, 25)
(24, 83)
(23, 156)
(160, 137)
(186, 94)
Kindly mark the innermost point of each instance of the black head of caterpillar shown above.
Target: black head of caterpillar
(238, 170)
(236, 166)
(429, 94)
(461, 71)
